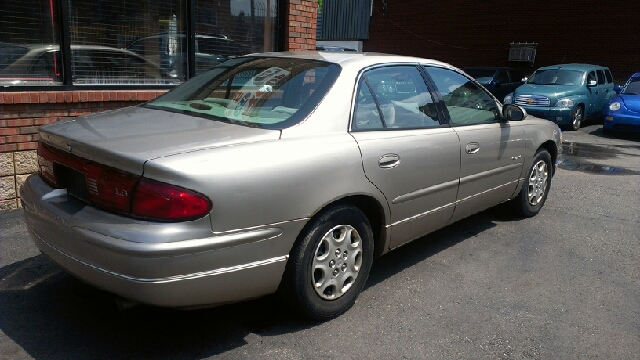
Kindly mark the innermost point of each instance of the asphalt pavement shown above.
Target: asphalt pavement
(564, 284)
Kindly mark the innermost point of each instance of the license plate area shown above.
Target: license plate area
(73, 180)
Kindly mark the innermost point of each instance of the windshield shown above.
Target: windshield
(483, 76)
(632, 87)
(556, 77)
(271, 93)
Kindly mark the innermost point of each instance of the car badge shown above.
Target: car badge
(68, 148)
(530, 101)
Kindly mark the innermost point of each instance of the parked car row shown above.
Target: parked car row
(567, 94)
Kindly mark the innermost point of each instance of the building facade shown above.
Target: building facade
(66, 58)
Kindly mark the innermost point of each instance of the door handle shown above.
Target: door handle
(388, 161)
(472, 148)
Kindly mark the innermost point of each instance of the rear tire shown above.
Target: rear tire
(329, 263)
(536, 187)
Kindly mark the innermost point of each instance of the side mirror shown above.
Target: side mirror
(592, 83)
(512, 112)
(617, 89)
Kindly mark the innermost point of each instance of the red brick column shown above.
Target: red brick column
(21, 113)
(300, 33)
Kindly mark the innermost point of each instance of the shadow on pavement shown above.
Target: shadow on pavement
(51, 315)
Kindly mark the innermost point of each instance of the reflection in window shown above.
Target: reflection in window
(128, 42)
(466, 102)
(29, 43)
(401, 95)
(229, 29)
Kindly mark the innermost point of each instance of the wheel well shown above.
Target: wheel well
(551, 148)
(374, 212)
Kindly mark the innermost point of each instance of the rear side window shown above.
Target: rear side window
(601, 79)
(609, 76)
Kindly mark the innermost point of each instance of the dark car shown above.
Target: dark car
(500, 81)
(34, 64)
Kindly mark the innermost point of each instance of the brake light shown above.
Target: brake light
(117, 191)
(162, 201)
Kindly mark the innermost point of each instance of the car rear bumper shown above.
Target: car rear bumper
(217, 269)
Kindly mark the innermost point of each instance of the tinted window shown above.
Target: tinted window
(601, 79)
(591, 76)
(609, 76)
(466, 102)
(516, 76)
(271, 93)
(502, 77)
(483, 76)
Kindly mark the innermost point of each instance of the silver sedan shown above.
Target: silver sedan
(285, 172)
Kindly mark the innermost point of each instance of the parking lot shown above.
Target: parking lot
(564, 284)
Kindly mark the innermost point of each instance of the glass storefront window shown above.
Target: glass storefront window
(29, 43)
(128, 42)
(232, 28)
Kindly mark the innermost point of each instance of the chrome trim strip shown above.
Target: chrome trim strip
(486, 191)
(260, 226)
(450, 204)
(422, 214)
(175, 248)
(489, 173)
(220, 271)
(424, 192)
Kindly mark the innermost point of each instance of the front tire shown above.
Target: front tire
(536, 187)
(578, 116)
(329, 263)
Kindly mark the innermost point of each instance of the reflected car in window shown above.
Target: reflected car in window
(279, 172)
(500, 81)
(623, 113)
(566, 94)
(90, 65)
(169, 51)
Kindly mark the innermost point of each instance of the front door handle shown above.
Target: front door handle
(388, 161)
(472, 148)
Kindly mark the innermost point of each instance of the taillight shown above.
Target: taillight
(117, 191)
(160, 201)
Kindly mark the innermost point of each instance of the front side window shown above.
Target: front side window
(29, 43)
(557, 77)
(467, 103)
(607, 72)
(270, 93)
(502, 77)
(399, 92)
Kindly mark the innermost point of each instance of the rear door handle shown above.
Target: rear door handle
(388, 161)
(472, 148)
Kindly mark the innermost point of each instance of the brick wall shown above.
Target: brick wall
(301, 17)
(21, 113)
(478, 33)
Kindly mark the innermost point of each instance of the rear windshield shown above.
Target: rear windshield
(270, 93)
(556, 77)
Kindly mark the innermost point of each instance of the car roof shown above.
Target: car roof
(488, 68)
(348, 59)
(580, 67)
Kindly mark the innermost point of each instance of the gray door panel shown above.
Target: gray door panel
(422, 184)
(492, 156)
